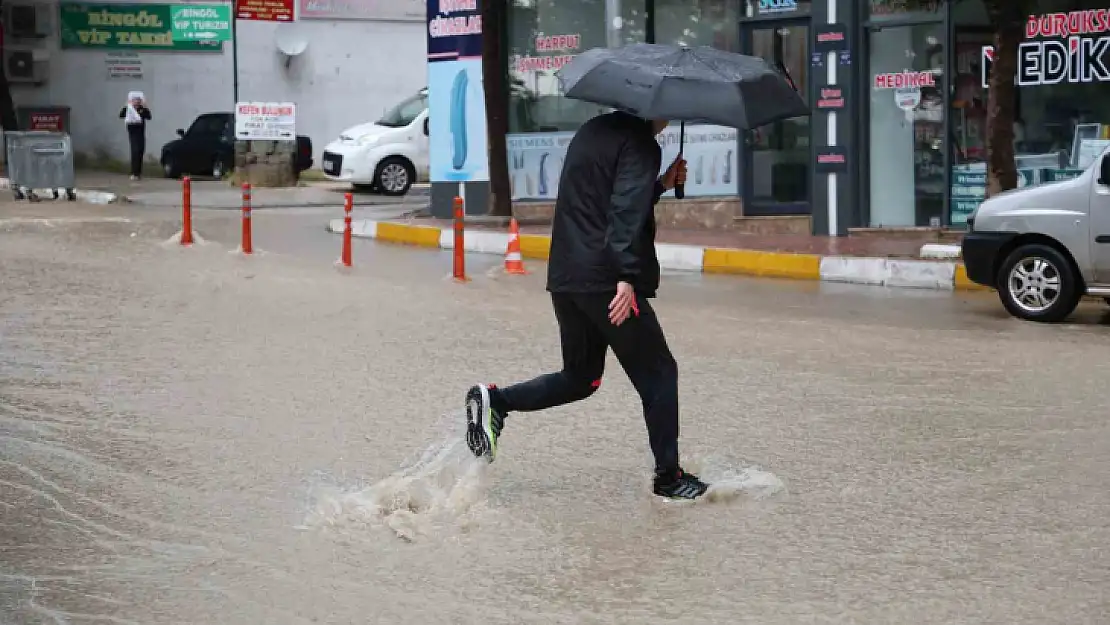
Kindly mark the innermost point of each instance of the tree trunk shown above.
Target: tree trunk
(494, 72)
(1009, 19)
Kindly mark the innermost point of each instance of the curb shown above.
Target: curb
(89, 196)
(944, 275)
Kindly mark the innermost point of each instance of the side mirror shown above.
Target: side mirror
(425, 126)
(180, 132)
(1104, 178)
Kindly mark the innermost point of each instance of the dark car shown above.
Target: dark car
(208, 148)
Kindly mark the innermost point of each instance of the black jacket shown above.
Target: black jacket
(604, 228)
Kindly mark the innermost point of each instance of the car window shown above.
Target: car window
(404, 113)
(206, 125)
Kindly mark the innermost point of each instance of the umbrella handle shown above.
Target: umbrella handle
(680, 189)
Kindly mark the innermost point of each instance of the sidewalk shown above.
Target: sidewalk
(894, 261)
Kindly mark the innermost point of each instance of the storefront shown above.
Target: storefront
(908, 151)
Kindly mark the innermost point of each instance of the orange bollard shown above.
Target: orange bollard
(459, 272)
(246, 243)
(186, 211)
(348, 204)
(514, 262)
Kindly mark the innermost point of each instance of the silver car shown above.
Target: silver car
(1044, 247)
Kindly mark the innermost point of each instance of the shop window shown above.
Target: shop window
(544, 35)
(889, 10)
(704, 23)
(1062, 112)
(907, 125)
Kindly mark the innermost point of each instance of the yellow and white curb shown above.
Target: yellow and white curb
(945, 275)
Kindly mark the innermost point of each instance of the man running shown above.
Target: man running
(601, 272)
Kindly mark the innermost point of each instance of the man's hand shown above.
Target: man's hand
(623, 305)
(675, 174)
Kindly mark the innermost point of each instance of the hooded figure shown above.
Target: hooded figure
(135, 115)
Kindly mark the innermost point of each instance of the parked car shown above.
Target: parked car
(208, 148)
(1044, 247)
(384, 156)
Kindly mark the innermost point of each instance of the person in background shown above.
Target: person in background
(135, 115)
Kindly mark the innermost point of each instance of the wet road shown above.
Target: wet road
(189, 436)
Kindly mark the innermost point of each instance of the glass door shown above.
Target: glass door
(776, 157)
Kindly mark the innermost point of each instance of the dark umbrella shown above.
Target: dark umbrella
(697, 85)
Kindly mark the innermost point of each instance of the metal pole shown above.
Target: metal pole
(234, 55)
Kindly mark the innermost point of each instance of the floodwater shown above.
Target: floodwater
(190, 436)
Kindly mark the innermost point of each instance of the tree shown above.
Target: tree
(494, 84)
(1009, 18)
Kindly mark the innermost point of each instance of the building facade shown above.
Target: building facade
(897, 90)
(362, 57)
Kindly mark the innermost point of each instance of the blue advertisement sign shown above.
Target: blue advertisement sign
(457, 141)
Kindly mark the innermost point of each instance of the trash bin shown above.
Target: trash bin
(40, 160)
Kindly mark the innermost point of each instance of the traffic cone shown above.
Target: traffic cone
(514, 262)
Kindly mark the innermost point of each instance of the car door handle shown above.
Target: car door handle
(1102, 238)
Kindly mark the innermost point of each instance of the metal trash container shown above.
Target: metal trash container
(40, 160)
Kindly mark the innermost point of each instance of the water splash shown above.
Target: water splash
(729, 481)
(444, 490)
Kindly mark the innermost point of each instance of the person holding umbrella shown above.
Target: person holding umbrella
(603, 267)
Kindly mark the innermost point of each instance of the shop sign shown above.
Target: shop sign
(51, 122)
(831, 159)
(1063, 49)
(392, 10)
(124, 64)
(831, 99)
(777, 6)
(907, 98)
(266, 121)
(830, 38)
(457, 142)
(124, 26)
(905, 80)
(202, 22)
(264, 10)
(551, 53)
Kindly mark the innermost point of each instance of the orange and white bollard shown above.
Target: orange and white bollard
(459, 270)
(246, 243)
(514, 261)
(348, 205)
(186, 211)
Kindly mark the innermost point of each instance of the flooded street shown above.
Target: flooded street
(191, 436)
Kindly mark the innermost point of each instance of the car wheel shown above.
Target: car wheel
(394, 176)
(1037, 283)
(169, 168)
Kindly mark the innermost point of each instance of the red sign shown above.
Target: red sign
(264, 10)
(47, 121)
(831, 98)
(904, 80)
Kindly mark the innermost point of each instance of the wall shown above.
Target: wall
(351, 72)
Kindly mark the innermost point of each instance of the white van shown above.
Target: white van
(1044, 247)
(385, 156)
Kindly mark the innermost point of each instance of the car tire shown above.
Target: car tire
(394, 176)
(1037, 282)
(169, 168)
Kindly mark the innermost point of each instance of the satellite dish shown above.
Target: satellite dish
(290, 41)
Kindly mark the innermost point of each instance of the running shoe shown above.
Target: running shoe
(483, 422)
(679, 485)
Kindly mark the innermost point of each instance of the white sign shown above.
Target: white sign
(265, 121)
(907, 98)
(123, 65)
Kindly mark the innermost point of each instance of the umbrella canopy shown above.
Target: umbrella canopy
(676, 83)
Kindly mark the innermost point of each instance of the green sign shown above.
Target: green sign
(125, 26)
(201, 22)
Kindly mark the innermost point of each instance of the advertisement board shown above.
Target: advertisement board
(457, 141)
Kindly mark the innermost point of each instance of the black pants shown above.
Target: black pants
(137, 137)
(641, 348)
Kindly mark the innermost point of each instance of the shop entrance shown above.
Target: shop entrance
(776, 157)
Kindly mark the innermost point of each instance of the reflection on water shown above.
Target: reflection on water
(189, 436)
